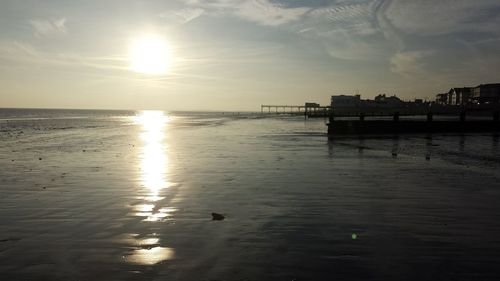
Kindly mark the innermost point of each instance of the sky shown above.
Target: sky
(236, 55)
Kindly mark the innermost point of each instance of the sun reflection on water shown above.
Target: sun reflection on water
(154, 159)
(153, 177)
(151, 256)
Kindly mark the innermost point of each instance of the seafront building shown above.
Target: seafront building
(381, 101)
(348, 113)
(484, 94)
(460, 96)
(442, 98)
(345, 100)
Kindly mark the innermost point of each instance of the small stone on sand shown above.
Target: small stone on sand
(217, 217)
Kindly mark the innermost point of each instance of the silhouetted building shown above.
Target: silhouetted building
(442, 98)
(486, 94)
(381, 101)
(345, 101)
(391, 100)
(482, 94)
(459, 96)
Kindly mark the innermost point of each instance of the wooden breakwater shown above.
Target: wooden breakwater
(397, 126)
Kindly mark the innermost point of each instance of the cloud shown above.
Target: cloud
(344, 13)
(190, 14)
(262, 12)
(347, 30)
(446, 29)
(184, 15)
(356, 14)
(344, 29)
(44, 27)
(430, 17)
(22, 53)
(409, 63)
(266, 13)
(355, 18)
(17, 50)
(386, 26)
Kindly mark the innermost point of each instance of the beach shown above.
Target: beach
(128, 195)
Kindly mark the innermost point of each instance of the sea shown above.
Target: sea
(130, 195)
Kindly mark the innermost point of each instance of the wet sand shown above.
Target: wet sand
(130, 198)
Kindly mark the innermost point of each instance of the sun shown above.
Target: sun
(150, 54)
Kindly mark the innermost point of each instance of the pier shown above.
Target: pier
(308, 109)
(460, 124)
(388, 120)
(312, 110)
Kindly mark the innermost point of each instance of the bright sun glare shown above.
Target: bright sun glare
(150, 54)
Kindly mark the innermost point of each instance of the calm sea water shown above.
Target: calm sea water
(125, 195)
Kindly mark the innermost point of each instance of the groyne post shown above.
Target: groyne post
(395, 117)
(330, 122)
(462, 116)
(429, 116)
(361, 116)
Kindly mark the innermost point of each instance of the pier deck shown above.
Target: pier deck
(346, 127)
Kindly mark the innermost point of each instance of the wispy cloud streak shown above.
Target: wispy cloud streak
(409, 63)
(44, 27)
(263, 12)
(21, 52)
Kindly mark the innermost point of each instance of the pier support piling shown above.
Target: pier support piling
(361, 117)
(429, 117)
(395, 117)
(462, 116)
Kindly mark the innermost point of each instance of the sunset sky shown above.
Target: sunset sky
(236, 55)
